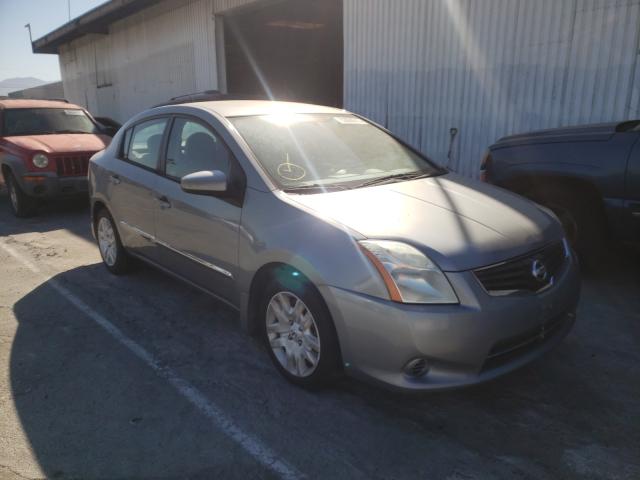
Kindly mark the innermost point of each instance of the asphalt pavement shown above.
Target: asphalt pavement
(141, 376)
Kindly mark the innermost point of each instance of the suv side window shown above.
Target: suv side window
(145, 143)
(193, 148)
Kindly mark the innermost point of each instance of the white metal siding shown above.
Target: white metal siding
(489, 68)
(163, 51)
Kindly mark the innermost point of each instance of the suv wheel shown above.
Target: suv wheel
(113, 253)
(22, 204)
(299, 334)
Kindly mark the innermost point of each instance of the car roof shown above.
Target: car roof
(241, 108)
(28, 103)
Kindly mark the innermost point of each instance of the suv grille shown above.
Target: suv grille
(72, 165)
(530, 273)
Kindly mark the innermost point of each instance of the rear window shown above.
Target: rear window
(45, 121)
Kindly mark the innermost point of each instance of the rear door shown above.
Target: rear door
(632, 194)
(132, 186)
(199, 233)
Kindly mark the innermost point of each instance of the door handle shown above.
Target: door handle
(115, 179)
(164, 202)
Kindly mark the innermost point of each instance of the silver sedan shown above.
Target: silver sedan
(342, 247)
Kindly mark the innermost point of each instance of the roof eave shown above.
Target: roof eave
(95, 21)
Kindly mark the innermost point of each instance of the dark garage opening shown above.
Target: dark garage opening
(291, 50)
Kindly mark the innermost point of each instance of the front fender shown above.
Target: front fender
(16, 165)
(275, 231)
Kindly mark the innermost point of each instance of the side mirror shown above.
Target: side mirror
(109, 131)
(206, 182)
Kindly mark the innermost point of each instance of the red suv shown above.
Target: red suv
(45, 148)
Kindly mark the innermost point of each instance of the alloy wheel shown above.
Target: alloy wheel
(293, 334)
(13, 195)
(107, 241)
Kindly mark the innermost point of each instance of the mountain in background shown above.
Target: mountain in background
(18, 83)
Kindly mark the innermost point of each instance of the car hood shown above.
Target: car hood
(63, 143)
(600, 132)
(461, 224)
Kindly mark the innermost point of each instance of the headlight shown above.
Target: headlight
(40, 160)
(410, 276)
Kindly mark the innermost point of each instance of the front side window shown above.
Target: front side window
(194, 148)
(145, 143)
(328, 150)
(46, 121)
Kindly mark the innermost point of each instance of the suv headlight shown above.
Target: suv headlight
(410, 276)
(40, 160)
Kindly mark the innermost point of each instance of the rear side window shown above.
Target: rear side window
(143, 146)
(193, 148)
(124, 148)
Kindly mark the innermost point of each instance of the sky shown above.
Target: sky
(16, 58)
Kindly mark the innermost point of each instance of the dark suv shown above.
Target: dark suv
(588, 175)
(45, 148)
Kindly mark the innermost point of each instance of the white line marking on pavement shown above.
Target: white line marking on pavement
(252, 445)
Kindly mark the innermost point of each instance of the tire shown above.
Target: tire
(114, 256)
(312, 331)
(583, 222)
(22, 205)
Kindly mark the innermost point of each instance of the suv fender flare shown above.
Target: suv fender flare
(14, 165)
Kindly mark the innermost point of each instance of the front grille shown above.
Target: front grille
(72, 165)
(528, 273)
(510, 349)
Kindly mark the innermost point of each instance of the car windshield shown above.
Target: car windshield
(328, 151)
(46, 121)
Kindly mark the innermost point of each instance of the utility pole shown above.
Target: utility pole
(28, 27)
(69, 9)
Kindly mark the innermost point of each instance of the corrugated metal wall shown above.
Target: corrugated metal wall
(489, 68)
(163, 51)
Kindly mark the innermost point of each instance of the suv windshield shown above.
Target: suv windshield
(324, 151)
(46, 121)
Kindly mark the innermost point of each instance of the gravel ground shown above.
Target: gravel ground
(191, 396)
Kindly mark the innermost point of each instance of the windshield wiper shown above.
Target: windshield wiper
(394, 178)
(313, 187)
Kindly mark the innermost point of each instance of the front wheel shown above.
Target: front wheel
(582, 221)
(299, 334)
(113, 253)
(22, 205)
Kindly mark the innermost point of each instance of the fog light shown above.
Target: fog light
(416, 367)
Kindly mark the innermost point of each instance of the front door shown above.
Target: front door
(132, 185)
(198, 233)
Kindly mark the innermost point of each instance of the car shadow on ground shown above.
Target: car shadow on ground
(91, 409)
(52, 214)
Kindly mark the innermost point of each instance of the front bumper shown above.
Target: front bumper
(48, 184)
(481, 338)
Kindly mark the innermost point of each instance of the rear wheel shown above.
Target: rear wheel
(113, 253)
(22, 205)
(299, 333)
